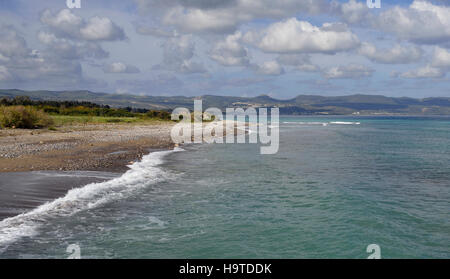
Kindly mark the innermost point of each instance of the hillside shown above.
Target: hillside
(302, 104)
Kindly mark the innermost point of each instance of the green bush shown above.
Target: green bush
(164, 115)
(23, 117)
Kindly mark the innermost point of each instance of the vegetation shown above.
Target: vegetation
(23, 117)
(22, 112)
(302, 104)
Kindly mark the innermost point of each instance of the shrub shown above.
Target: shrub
(163, 115)
(23, 117)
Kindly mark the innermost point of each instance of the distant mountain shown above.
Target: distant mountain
(302, 104)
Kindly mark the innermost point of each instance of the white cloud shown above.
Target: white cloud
(441, 58)
(4, 74)
(198, 20)
(68, 49)
(68, 25)
(421, 22)
(438, 68)
(225, 16)
(270, 68)
(120, 68)
(101, 29)
(352, 11)
(351, 71)
(395, 55)
(424, 72)
(22, 65)
(63, 22)
(178, 54)
(230, 52)
(293, 36)
(11, 44)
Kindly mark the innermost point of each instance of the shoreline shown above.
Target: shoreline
(24, 191)
(91, 147)
(32, 161)
(94, 147)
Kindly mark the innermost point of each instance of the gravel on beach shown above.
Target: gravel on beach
(88, 147)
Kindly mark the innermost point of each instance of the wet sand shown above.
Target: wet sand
(37, 166)
(23, 191)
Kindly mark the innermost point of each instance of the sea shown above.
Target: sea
(337, 185)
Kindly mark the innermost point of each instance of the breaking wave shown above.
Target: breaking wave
(141, 174)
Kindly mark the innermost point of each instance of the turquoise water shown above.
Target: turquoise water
(330, 191)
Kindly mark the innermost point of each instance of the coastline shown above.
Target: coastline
(39, 166)
(94, 147)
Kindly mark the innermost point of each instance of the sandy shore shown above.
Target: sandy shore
(92, 147)
(37, 166)
(105, 147)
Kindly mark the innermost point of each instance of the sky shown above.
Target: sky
(242, 48)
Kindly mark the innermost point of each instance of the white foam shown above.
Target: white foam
(158, 222)
(140, 175)
(323, 123)
(306, 123)
(345, 123)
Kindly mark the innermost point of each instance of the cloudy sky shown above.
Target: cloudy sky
(281, 48)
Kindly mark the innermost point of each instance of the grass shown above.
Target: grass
(62, 120)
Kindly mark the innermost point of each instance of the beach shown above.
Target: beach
(39, 166)
(329, 192)
(105, 147)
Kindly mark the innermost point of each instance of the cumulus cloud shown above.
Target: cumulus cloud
(395, 55)
(120, 68)
(352, 11)
(68, 25)
(225, 16)
(230, 52)
(424, 72)
(145, 6)
(68, 49)
(101, 29)
(21, 64)
(421, 22)
(293, 36)
(438, 68)
(351, 71)
(441, 58)
(64, 22)
(198, 20)
(178, 54)
(69, 39)
(11, 44)
(4, 74)
(270, 68)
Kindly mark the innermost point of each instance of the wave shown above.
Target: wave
(307, 123)
(140, 175)
(345, 123)
(90, 174)
(323, 123)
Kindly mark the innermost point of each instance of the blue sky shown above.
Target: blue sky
(235, 47)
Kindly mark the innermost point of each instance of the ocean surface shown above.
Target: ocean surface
(336, 185)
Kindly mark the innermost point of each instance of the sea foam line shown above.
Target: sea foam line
(140, 175)
(322, 123)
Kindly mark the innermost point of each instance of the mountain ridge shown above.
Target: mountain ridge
(301, 104)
